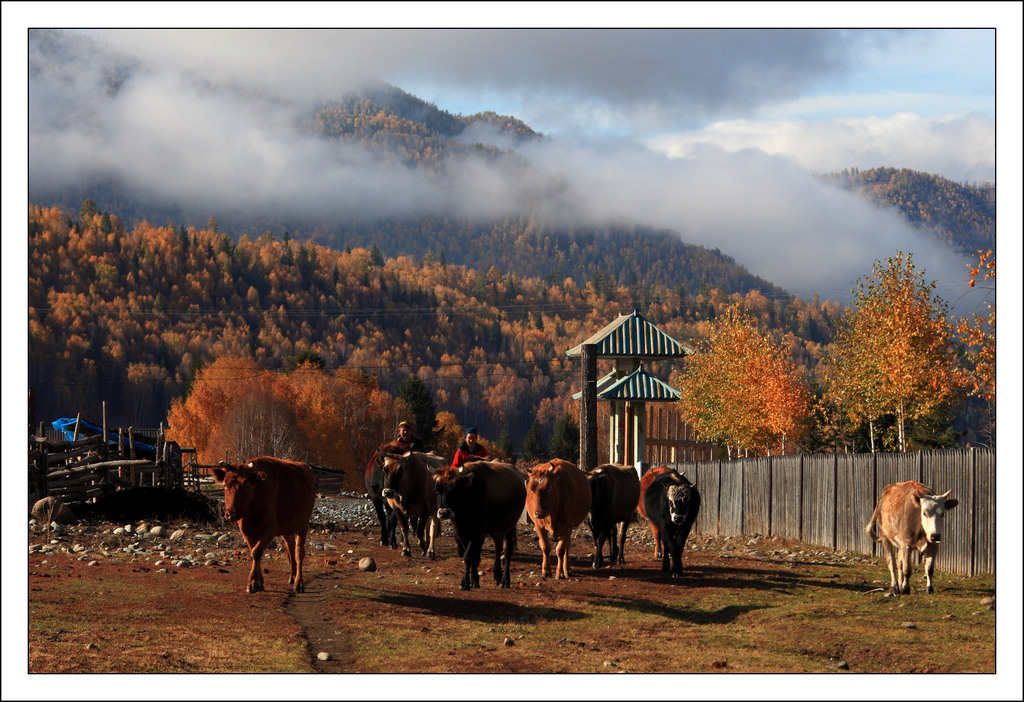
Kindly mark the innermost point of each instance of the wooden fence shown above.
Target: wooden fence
(827, 499)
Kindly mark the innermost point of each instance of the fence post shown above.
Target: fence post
(588, 409)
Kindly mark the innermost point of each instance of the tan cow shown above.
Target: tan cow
(558, 500)
(270, 497)
(909, 516)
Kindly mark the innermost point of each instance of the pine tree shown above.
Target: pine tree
(424, 413)
(565, 439)
(534, 446)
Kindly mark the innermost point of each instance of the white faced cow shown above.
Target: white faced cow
(909, 515)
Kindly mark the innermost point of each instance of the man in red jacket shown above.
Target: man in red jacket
(469, 449)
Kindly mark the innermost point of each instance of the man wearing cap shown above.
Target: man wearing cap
(405, 436)
(469, 449)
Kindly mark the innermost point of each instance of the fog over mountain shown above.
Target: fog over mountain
(217, 142)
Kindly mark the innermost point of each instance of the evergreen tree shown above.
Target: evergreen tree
(565, 439)
(424, 413)
(534, 446)
(87, 212)
(505, 445)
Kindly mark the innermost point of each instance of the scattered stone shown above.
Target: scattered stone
(988, 600)
(719, 664)
(843, 665)
(367, 565)
(609, 664)
(948, 618)
(93, 563)
(509, 641)
(158, 532)
(178, 535)
(119, 531)
(908, 625)
(91, 647)
(323, 656)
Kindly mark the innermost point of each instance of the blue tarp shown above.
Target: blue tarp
(67, 428)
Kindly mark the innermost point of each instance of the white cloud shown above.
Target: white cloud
(959, 146)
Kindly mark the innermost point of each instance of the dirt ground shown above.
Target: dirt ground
(420, 595)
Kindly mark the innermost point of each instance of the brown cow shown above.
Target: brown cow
(557, 499)
(270, 497)
(409, 490)
(615, 492)
(645, 482)
(909, 515)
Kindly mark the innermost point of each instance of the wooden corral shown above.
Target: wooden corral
(82, 469)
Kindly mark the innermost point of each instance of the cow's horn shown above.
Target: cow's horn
(945, 494)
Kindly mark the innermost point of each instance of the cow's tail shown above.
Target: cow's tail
(870, 528)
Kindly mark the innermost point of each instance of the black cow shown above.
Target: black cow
(615, 491)
(672, 503)
(483, 498)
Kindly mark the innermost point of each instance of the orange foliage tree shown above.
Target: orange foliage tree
(979, 333)
(235, 411)
(741, 389)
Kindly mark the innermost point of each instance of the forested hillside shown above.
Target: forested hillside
(959, 215)
(127, 314)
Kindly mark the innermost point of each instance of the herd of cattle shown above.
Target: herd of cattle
(270, 497)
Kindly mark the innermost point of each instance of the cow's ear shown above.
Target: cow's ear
(916, 499)
(950, 504)
(219, 474)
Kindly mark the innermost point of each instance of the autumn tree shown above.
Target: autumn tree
(895, 353)
(741, 389)
(979, 333)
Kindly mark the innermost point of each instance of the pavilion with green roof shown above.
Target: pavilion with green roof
(631, 340)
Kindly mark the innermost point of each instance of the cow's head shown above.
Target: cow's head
(450, 483)
(680, 499)
(393, 467)
(238, 482)
(540, 483)
(933, 512)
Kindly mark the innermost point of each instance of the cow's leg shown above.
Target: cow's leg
(666, 552)
(677, 560)
(508, 548)
(620, 545)
(500, 549)
(657, 540)
(545, 548)
(562, 551)
(890, 559)
(903, 569)
(420, 528)
(600, 536)
(928, 554)
(300, 557)
(256, 548)
(289, 549)
(435, 527)
(403, 525)
(471, 577)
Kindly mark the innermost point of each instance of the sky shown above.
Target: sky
(715, 134)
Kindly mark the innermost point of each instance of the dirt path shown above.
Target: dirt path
(322, 636)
